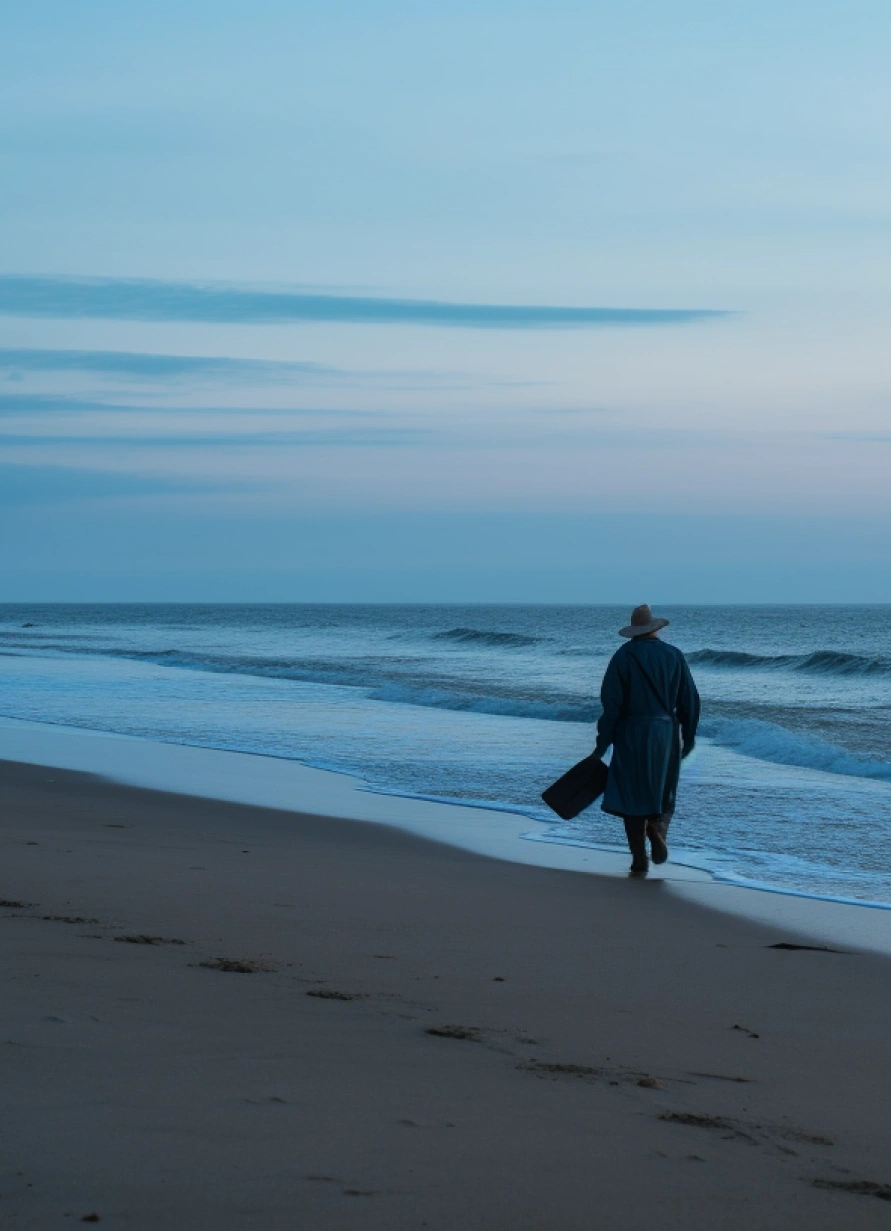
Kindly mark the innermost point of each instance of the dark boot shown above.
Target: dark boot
(657, 832)
(635, 832)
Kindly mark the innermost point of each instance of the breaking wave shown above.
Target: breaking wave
(766, 741)
(820, 662)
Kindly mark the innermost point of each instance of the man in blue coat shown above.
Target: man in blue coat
(650, 715)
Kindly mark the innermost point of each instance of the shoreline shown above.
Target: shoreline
(268, 781)
(483, 710)
(327, 1023)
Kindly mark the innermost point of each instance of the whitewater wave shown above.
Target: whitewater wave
(766, 741)
(483, 636)
(502, 707)
(820, 662)
(383, 681)
(428, 692)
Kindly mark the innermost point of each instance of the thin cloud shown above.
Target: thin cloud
(155, 367)
(165, 369)
(55, 404)
(144, 300)
(345, 439)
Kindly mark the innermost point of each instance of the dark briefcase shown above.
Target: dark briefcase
(578, 788)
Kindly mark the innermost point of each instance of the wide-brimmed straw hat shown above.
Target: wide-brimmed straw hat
(643, 622)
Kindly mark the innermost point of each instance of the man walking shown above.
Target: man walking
(650, 715)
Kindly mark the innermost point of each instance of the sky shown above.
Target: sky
(497, 302)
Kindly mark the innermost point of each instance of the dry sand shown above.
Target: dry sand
(218, 1016)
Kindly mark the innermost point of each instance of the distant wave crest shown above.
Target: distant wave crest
(820, 662)
(483, 636)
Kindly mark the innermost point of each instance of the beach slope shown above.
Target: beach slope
(221, 1016)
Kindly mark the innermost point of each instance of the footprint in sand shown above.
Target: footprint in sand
(236, 965)
(323, 993)
(472, 1033)
(552, 1070)
(68, 919)
(753, 1133)
(859, 1188)
(727, 1128)
(143, 939)
(721, 1077)
(746, 1030)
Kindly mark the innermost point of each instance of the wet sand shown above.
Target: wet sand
(224, 1016)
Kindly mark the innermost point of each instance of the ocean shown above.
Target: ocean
(789, 787)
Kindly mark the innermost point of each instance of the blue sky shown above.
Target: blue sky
(564, 302)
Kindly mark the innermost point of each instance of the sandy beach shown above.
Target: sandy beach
(218, 1016)
(400, 405)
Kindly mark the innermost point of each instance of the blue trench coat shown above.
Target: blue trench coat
(648, 698)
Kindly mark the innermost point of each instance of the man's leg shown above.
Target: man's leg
(636, 833)
(657, 832)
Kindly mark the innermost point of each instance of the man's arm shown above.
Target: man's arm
(688, 707)
(612, 695)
